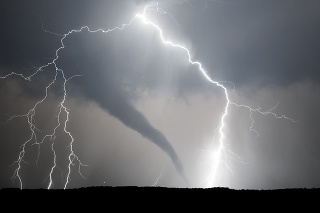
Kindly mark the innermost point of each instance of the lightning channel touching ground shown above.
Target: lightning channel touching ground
(156, 182)
(218, 156)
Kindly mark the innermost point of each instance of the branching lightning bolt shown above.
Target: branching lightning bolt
(217, 154)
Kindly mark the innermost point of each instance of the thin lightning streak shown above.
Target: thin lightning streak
(72, 157)
(156, 182)
(30, 119)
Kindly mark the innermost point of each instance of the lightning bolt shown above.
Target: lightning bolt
(217, 156)
(156, 182)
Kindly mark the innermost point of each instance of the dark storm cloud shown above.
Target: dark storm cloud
(24, 44)
(271, 43)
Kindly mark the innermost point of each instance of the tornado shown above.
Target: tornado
(125, 112)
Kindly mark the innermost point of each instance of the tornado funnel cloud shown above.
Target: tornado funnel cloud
(132, 118)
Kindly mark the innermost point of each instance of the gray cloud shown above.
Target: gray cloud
(268, 50)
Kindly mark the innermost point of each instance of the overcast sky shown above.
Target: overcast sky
(141, 114)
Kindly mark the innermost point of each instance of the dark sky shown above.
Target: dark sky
(140, 110)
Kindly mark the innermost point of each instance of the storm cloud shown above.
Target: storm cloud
(133, 90)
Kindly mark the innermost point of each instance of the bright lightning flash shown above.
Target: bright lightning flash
(217, 154)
